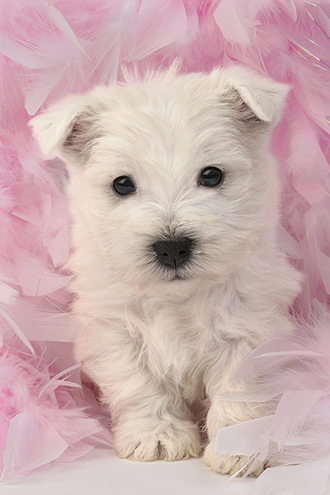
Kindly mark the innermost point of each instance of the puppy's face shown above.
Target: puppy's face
(168, 177)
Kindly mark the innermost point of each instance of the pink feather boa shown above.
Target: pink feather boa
(49, 49)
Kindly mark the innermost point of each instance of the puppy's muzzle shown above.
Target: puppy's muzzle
(173, 252)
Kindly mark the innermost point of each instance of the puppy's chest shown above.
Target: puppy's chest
(174, 345)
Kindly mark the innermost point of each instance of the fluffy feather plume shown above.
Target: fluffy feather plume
(296, 372)
(40, 419)
(51, 49)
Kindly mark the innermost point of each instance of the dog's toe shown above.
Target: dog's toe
(169, 443)
(227, 464)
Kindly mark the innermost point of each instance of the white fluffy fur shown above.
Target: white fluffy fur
(162, 350)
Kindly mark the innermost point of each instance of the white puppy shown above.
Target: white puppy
(174, 201)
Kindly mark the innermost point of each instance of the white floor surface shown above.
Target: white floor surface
(102, 473)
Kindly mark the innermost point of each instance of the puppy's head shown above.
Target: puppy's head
(170, 183)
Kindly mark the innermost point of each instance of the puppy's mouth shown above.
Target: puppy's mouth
(180, 274)
(178, 277)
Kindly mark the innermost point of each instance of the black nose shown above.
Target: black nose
(173, 252)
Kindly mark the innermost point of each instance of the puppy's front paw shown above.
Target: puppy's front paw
(227, 464)
(167, 441)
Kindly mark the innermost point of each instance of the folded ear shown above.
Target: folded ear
(67, 128)
(255, 98)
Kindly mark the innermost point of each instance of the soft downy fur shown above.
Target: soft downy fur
(162, 344)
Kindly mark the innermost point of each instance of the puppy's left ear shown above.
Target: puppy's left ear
(67, 129)
(254, 98)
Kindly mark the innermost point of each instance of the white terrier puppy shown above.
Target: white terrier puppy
(174, 201)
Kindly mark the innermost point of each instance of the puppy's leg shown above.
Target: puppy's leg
(223, 413)
(150, 419)
(141, 437)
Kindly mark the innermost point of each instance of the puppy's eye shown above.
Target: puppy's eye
(211, 177)
(123, 185)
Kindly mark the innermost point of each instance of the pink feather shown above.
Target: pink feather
(39, 427)
(236, 21)
(158, 25)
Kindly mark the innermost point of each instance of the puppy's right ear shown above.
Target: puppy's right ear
(67, 129)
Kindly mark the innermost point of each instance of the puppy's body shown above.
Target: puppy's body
(164, 332)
